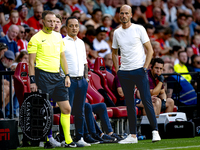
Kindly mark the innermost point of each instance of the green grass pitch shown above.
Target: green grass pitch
(164, 144)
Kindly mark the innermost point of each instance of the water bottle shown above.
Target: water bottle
(141, 137)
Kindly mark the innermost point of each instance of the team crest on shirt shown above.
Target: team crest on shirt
(29, 44)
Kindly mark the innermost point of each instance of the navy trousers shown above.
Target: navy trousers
(77, 96)
(128, 80)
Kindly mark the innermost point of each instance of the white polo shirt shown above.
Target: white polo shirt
(101, 45)
(130, 41)
(75, 54)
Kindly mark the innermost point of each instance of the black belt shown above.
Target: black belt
(77, 78)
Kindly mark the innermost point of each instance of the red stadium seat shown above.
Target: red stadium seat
(99, 68)
(57, 118)
(21, 81)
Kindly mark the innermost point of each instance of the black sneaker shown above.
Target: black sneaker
(64, 144)
(114, 135)
(98, 138)
(109, 138)
(89, 139)
(48, 145)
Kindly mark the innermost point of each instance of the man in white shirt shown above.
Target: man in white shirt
(99, 43)
(131, 39)
(75, 54)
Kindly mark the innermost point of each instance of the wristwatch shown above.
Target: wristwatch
(67, 75)
(145, 69)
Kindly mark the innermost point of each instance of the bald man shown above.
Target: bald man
(9, 39)
(131, 38)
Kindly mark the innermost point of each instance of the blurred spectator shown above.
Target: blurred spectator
(52, 4)
(181, 67)
(108, 62)
(23, 57)
(156, 49)
(21, 44)
(180, 23)
(110, 40)
(192, 25)
(82, 31)
(156, 85)
(167, 36)
(5, 10)
(35, 21)
(150, 31)
(107, 7)
(58, 23)
(186, 37)
(76, 14)
(179, 5)
(73, 7)
(196, 15)
(23, 12)
(63, 31)
(64, 17)
(196, 4)
(86, 6)
(167, 59)
(116, 20)
(159, 34)
(98, 4)
(27, 31)
(136, 14)
(195, 44)
(90, 36)
(177, 84)
(170, 11)
(66, 5)
(99, 43)
(149, 11)
(30, 34)
(30, 4)
(196, 63)
(107, 22)
(14, 16)
(90, 59)
(3, 49)
(1, 32)
(156, 19)
(177, 40)
(174, 53)
(189, 52)
(9, 39)
(96, 18)
(7, 60)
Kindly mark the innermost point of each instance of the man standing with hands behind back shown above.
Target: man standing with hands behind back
(131, 38)
(47, 49)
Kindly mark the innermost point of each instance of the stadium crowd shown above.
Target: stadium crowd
(172, 26)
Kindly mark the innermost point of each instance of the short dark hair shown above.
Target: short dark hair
(59, 17)
(182, 15)
(134, 8)
(72, 17)
(46, 12)
(176, 48)
(181, 52)
(96, 10)
(91, 31)
(74, 12)
(118, 10)
(148, 26)
(193, 57)
(10, 2)
(157, 60)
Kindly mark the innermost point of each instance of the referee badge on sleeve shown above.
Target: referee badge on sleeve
(29, 44)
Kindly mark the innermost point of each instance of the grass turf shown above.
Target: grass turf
(164, 144)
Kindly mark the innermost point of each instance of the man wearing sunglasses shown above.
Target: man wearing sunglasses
(177, 40)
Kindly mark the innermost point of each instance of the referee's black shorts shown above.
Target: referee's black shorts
(53, 84)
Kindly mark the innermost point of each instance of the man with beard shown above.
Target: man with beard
(131, 39)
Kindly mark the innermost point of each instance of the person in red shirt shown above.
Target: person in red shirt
(14, 16)
(73, 7)
(19, 39)
(23, 12)
(34, 21)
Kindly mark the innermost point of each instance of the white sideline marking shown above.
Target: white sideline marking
(178, 147)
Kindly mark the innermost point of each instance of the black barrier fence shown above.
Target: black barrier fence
(8, 73)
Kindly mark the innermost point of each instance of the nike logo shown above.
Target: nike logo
(43, 40)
